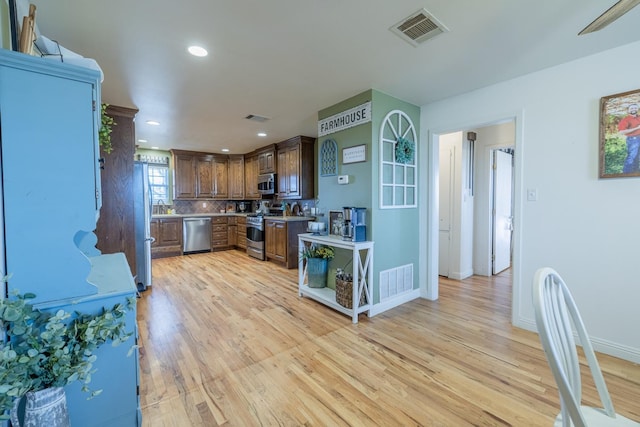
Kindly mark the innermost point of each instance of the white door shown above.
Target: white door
(502, 215)
(444, 207)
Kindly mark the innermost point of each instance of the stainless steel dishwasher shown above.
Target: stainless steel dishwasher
(196, 235)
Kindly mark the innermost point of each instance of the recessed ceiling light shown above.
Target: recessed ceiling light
(262, 134)
(197, 51)
(225, 150)
(142, 140)
(153, 123)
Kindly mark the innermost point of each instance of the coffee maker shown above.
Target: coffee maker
(355, 228)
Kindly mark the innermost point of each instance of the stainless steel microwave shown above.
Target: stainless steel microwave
(267, 183)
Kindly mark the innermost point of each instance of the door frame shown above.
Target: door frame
(429, 204)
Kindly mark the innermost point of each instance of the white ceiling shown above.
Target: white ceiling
(288, 59)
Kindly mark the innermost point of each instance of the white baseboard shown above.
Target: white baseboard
(394, 302)
(624, 352)
(459, 275)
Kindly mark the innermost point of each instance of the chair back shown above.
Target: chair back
(555, 312)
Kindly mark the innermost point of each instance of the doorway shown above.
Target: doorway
(486, 244)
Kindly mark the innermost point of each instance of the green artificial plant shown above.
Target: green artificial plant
(104, 134)
(318, 251)
(43, 349)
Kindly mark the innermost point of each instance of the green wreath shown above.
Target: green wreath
(404, 150)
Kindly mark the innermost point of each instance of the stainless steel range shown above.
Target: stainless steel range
(255, 236)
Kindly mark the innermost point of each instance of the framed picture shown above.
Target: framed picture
(620, 135)
(336, 222)
(354, 154)
(9, 25)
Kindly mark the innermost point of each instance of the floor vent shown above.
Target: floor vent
(396, 281)
(257, 118)
(418, 28)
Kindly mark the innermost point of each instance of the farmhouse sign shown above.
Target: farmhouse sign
(345, 120)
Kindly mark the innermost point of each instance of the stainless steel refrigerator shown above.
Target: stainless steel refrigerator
(142, 218)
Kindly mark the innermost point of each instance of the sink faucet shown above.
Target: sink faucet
(162, 207)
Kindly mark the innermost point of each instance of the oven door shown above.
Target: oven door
(254, 234)
(255, 242)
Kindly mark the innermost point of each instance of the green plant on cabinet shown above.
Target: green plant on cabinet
(104, 134)
(44, 350)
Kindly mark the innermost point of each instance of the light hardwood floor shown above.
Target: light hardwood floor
(225, 340)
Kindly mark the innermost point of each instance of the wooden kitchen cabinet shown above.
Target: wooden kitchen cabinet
(200, 175)
(184, 183)
(281, 240)
(219, 233)
(296, 169)
(232, 231)
(267, 160)
(236, 177)
(251, 177)
(241, 239)
(116, 229)
(167, 233)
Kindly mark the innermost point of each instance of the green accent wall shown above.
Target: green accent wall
(394, 231)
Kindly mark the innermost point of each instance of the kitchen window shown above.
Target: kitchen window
(159, 184)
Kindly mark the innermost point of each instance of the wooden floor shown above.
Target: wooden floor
(225, 340)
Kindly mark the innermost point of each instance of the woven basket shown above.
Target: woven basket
(344, 293)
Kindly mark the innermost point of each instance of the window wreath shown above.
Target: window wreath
(404, 150)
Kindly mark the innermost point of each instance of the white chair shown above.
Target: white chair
(555, 309)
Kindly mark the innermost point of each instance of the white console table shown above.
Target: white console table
(362, 274)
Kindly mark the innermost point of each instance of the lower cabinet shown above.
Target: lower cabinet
(167, 233)
(219, 233)
(281, 240)
(232, 231)
(241, 239)
(116, 367)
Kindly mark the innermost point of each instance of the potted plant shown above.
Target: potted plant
(317, 257)
(44, 351)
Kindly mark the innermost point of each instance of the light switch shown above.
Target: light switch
(343, 179)
(532, 194)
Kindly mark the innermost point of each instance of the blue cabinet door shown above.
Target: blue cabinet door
(48, 133)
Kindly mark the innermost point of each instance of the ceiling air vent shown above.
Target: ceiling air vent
(256, 118)
(418, 28)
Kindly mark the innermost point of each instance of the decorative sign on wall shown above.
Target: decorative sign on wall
(354, 154)
(329, 158)
(345, 120)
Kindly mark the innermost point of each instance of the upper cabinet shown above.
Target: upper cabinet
(236, 177)
(251, 176)
(267, 160)
(200, 175)
(49, 114)
(296, 168)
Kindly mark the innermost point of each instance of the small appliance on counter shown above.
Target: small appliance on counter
(355, 228)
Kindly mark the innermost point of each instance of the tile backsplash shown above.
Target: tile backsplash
(184, 207)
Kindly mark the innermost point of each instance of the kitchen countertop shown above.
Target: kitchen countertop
(212, 214)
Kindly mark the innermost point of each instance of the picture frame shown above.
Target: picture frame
(619, 141)
(336, 223)
(9, 25)
(355, 154)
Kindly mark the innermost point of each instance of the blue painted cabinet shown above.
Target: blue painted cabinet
(49, 121)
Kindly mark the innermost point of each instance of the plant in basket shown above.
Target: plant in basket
(318, 251)
(317, 257)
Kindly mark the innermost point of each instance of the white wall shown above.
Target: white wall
(587, 229)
